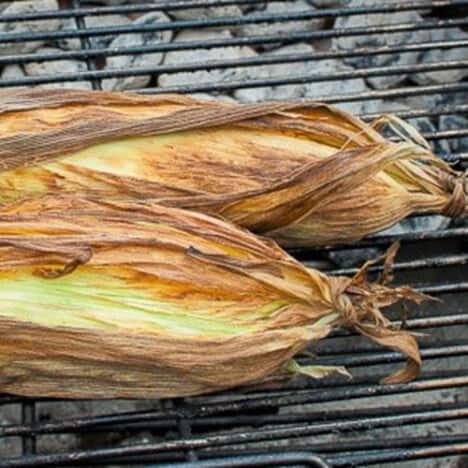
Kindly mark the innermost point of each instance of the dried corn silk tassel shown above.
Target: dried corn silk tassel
(115, 299)
(303, 173)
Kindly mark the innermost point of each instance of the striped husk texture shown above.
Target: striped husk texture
(115, 299)
(304, 174)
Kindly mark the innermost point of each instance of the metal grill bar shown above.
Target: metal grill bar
(398, 455)
(234, 454)
(454, 157)
(356, 460)
(393, 443)
(251, 436)
(249, 40)
(181, 424)
(414, 324)
(219, 64)
(328, 416)
(126, 9)
(395, 93)
(28, 417)
(365, 445)
(410, 237)
(428, 262)
(182, 5)
(276, 459)
(309, 78)
(388, 357)
(302, 79)
(456, 287)
(279, 459)
(86, 44)
(203, 406)
(446, 134)
(415, 113)
(169, 418)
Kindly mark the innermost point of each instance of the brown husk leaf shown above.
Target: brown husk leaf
(301, 172)
(207, 267)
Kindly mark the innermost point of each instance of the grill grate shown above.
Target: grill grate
(335, 423)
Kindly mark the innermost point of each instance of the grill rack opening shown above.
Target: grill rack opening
(301, 423)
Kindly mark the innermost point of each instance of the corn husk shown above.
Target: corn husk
(112, 299)
(303, 173)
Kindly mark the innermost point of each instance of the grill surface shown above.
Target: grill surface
(302, 423)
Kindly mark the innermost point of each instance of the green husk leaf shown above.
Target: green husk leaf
(316, 371)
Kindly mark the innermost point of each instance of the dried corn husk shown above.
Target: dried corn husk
(112, 299)
(303, 173)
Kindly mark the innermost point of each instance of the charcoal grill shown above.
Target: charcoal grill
(335, 423)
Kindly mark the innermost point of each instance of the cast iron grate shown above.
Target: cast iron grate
(302, 423)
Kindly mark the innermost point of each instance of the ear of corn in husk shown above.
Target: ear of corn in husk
(112, 299)
(302, 173)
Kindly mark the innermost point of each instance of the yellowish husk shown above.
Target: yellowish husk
(305, 174)
(115, 299)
